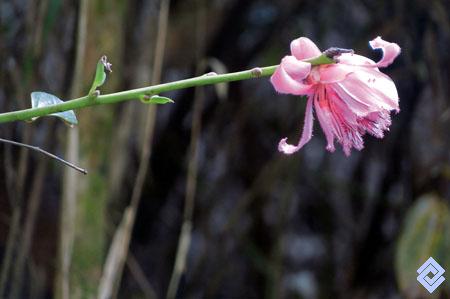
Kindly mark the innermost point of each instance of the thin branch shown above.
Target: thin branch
(138, 93)
(38, 149)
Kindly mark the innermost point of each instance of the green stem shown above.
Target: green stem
(126, 95)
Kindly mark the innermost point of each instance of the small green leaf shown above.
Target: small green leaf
(43, 99)
(100, 74)
(156, 100)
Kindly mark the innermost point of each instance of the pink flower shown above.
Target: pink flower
(350, 98)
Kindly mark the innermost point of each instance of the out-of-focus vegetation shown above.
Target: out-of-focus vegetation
(264, 225)
(425, 234)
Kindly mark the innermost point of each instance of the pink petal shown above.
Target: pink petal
(356, 106)
(355, 60)
(304, 48)
(288, 149)
(340, 108)
(375, 123)
(371, 87)
(332, 73)
(338, 121)
(347, 127)
(284, 83)
(390, 51)
(295, 68)
(324, 116)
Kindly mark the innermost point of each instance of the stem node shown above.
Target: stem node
(256, 72)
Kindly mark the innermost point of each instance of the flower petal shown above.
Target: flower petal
(295, 68)
(371, 87)
(390, 51)
(288, 149)
(332, 73)
(325, 119)
(346, 125)
(375, 123)
(355, 60)
(284, 83)
(356, 106)
(304, 48)
(338, 121)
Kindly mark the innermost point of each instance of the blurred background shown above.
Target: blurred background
(192, 199)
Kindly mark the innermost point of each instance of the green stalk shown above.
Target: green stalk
(92, 100)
